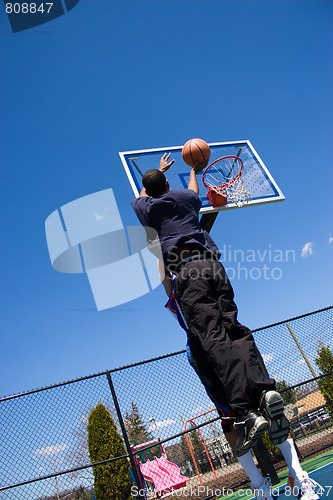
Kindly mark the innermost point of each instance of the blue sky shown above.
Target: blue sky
(112, 76)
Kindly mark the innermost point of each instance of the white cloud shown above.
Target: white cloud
(267, 357)
(99, 217)
(200, 409)
(301, 361)
(307, 249)
(330, 240)
(51, 450)
(160, 425)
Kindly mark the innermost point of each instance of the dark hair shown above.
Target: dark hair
(154, 182)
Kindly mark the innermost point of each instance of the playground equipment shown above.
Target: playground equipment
(163, 474)
(203, 442)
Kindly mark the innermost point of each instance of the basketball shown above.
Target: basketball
(194, 151)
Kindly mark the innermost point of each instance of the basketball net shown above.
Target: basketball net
(224, 177)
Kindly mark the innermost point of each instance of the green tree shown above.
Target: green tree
(324, 361)
(196, 441)
(79, 454)
(186, 454)
(273, 450)
(135, 427)
(112, 481)
(289, 396)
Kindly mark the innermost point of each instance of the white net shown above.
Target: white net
(225, 177)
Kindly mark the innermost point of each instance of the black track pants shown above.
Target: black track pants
(225, 355)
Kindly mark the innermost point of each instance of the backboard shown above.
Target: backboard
(257, 179)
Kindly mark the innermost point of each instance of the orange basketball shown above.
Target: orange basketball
(194, 151)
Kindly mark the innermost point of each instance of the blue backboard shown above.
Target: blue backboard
(257, 179)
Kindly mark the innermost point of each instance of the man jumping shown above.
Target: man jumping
(222, 349)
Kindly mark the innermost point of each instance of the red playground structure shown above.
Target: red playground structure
(164, 475)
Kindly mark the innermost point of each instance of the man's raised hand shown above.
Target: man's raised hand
(165, 164)
(200, 165)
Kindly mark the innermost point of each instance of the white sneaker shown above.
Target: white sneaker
(264, 492)
(304, 488)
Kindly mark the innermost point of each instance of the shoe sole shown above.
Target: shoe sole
(273, 409)
(257, 430)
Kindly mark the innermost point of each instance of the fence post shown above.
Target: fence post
(140, 495)
(301, 350)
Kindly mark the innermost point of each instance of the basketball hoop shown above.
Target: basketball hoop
(223, 179)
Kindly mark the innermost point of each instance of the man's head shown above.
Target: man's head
(155, 183)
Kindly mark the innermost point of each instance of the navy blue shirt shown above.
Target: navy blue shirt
(175, 217)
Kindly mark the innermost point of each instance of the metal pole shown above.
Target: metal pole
(190, 447)
(301, 350)
(207, 221)
(127, 443)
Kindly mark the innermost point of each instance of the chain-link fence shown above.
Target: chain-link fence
(63, 441)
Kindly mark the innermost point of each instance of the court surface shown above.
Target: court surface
(320, 469)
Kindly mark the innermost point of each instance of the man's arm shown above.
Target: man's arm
(193, 182)
(143, 193)
(165, 277)
(165, 164)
